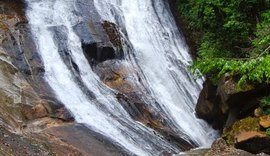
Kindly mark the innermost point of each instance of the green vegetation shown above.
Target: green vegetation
(268, 131)
(265, 105)
(231, 37)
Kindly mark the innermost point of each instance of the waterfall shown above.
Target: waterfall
(159, 52)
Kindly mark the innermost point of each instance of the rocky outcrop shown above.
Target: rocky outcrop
(244, 125)
(226, 103)
(13, 144)
(253, 141)
(134, 100)
(209, 106)
(100, 39)
(24, 93)
(220, 148)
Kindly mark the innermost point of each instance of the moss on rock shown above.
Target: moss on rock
(246, 124)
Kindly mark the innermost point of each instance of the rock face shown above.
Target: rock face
(230, 107)
(119, 77)
(209, 106)
(27, 104)
(224, 104)
(100, 40)
(220, 148)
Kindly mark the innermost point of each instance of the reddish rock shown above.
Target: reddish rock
(244, 136)
(254, 142)
(265, 121)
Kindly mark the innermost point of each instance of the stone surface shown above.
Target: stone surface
(243, 125)
(209, 106)
(119, 77)
(220, 148)
(225, 103)
(254, 142)
(12, 144)
(81, 138)
(265, 121)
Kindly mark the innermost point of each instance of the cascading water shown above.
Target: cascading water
(159, 53)
(163, 58)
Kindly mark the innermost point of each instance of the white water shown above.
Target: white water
(158, 49)
(162, 55)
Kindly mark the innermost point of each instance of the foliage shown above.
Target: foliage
(265, 105)
(268, 131)
(234, 37)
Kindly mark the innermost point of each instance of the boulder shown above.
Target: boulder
(265, 121)
(240, 101)
(220, 148)
(243, 125)
(245, 134)
(253, 141)
(101, 41)
(209, 106)
(226, 103)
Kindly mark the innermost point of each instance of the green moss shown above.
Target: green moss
(267, 131)
(246, 124)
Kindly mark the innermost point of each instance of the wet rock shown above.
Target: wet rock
(194, 152)
(116, 75)
(97, 52)
(63, 114)
(97, 41)
(27, 94)
(82, 139)
(209, 106)
(114, 35)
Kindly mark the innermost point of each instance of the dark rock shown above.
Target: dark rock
(113, 33)
(227, 103)
(241, 102)
(98, 52)
(209, 106)
(96, 43)
(254, 142)
(63, 114)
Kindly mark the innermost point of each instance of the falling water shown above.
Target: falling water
(159, 53)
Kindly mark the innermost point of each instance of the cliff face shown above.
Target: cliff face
(33, 121)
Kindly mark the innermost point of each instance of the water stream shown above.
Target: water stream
(159, 53)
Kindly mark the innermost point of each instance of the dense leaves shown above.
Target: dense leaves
(233, 37)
